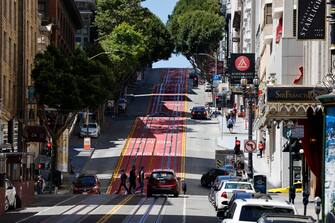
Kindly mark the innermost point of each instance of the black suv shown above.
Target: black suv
(208, 178)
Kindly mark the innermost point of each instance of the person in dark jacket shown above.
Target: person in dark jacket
(141, 179)
(123, 182)
(132, 180)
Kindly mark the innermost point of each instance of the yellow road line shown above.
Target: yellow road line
(119, 163)
(107, 216)
(120, 160)
(183, 166)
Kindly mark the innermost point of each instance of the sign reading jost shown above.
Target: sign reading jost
(311, 19)
(294, 94)
(241, 66)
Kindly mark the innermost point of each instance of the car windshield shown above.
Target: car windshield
(253, 213)
(287, 219)
(199, 109)
(90, 125)
(86, 181)
(243, 186)
(163, 174)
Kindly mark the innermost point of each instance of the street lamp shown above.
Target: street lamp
(290, 126)
(305, 193)
(249, 94)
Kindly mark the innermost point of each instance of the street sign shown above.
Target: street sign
(242, 63)
(219, 163)
(216, 77)
(250, 146)
(87, 143)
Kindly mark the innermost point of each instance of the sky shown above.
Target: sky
(163, 8)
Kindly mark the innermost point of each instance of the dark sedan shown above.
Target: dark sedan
(208, 178)
(86, 184)
(163, 181)
(199, 112)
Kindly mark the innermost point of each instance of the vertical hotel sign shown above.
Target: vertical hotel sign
(311, 19)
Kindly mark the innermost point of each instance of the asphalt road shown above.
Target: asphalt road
(163, 136)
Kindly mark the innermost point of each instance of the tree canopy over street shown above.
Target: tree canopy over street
(157, 42)
(196, 27)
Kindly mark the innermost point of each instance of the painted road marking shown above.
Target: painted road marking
(118, 166)
(39, 213)
(107, 216)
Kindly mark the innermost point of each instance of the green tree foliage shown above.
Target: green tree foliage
(196, 27)
(158, 43)
(124, 47)
(63, 87)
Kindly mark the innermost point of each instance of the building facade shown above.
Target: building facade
(86, 8)
(64, 18)
(19, 29)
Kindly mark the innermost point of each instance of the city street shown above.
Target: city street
(164, 138)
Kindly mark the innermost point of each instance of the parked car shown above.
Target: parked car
(282, 218)
(91, 129)
(228, 188)
(250, 210)
(10, 200)
(163, 181)
(199, 112)
(217, 182)
(298, 188)
(86, 184)
(208, 178)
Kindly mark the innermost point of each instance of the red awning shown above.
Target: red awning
(299, 76)
(279, 30)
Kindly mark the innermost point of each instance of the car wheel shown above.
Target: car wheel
(149, 194)
(202, 181)
(6, 204)
(176, 194)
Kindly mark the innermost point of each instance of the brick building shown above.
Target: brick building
(65, 19)
(19, 28)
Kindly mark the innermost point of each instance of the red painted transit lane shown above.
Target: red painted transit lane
(157, 141)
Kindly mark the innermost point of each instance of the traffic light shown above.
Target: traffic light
(41, 166)
(49, 145)
(237, 148)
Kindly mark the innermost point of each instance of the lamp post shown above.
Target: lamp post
(290, 125)
(249, 94)
(305, 193)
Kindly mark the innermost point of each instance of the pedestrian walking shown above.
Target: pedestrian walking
(40, 184)
(230, 124)
(184, 187)
(141, 179)
(123, 182)
(132, 180)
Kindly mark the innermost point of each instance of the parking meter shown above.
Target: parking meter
(317, 207)
(292, 193)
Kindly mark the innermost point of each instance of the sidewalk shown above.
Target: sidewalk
(227, 141)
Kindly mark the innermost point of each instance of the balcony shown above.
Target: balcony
(278, 7)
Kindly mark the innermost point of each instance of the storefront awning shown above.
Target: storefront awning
(287, 103)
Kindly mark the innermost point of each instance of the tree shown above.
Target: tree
(196, 27)
(124, 47)
(63, 87)
(158, 42)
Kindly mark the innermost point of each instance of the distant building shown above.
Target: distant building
(86, 34)
(65, 19)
